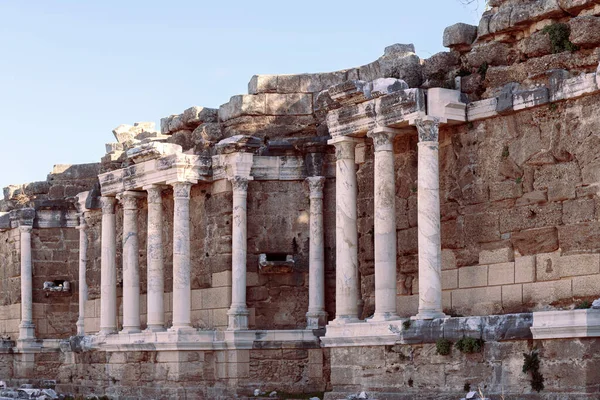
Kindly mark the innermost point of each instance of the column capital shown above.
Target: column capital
(344, 146)
(239, 183)
(383, 138)
(82, 224)
(129, 199)
(25, 228)
(181, 190)
(154, 193)
(428, 129)
(108, 204)
(315, 186)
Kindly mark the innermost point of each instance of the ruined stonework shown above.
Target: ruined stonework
(408, 228)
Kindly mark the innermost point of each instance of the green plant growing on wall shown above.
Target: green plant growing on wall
(469, 345)
(482, 70)
(553, 107)
(583, 305)
(406, 324)
(531, 364)
(505, 152)
(443, 346)
(559, 37)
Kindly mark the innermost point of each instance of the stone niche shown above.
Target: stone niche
(275, 263)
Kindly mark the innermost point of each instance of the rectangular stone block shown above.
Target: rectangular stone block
(288, 104)
(220, 279)
(586, 285)
(495, 256)
(91, 325)
(407, 306)
(197, 299)
(90, 309)
(530, 98)
(448, 259)
(545, 293)
(168, 301)
(473, 276)
(524, 269)
(579, 264)
(449, 279)
(220, 318)
(546, 266)
(315, 356)
(477, 301)
(512, 295)
(501, 274)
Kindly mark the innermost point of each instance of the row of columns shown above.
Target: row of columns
(428, 210)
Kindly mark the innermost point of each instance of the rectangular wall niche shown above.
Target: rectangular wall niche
(275, 263)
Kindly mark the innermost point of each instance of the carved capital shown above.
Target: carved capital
(239, 184)
(428, 129)
(383, 138)
(181, 190)
(108, 204)
(315, 186)
(344, 147)
(154, 194)
(129, 199)
(25, 228)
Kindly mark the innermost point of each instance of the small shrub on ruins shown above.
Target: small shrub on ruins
(467, 387)
(559, 37)
(469, 345)
(553, 107)
(583, 305)
(443, 346)
(406, 324)
(482, 70)
(505, 152)
(531, 364)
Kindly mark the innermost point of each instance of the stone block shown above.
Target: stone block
(90, 309)
(547, 266)
(585, 31)
(545, 293)
(579, 264)
(579, 237)
(574, 6)
(578, 210)
(243, 105)
(494, 256)
(501, 274)
(505, 190)
(449, 279)
(473, 276)
(197, 299)
(288, 104)
(530, 98)
(535, 241)
(407, 306)
(262, 84)
(448, 259)
(477, 301)
(525, 269)
(220, 279)
(91, 325)
(512, 295)
(459, 35)
(586, 286)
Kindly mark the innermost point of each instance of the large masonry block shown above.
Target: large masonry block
(524, 269)
(579, 264)
(544, 293)
(547, 266)
(495, 256)
(501, 274)
(473, 276)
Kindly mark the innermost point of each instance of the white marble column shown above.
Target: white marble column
(182, 291)
(428, 221)
(131, 267)
(156, 268)
(83, 288)
(385, 224)
(238, 312)
(108, 267)
(316, 316)
(346, 234)
(26, 327)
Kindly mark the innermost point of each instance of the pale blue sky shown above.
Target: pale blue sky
(73, 70)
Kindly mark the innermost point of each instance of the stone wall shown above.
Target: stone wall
(10, 283)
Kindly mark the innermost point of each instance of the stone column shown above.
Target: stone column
(156, 267)
(26, 327)
(182, 292)
(428, 221)
(238, 312)
(316, 316)
(108, 268)
(385, 225)
(131, 268)
(346, 234)
(83, 288)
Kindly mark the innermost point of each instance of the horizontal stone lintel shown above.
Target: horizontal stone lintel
(566, 324)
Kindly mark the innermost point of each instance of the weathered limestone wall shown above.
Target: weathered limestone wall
(10, 283)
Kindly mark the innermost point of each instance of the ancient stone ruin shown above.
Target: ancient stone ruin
(406, 229)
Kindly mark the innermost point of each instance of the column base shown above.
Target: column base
(385, 316)
(107, 331)
(182, 329)
(26, 331)
(130, 329)
(344, 319)
(238, 319)
(429, 314)
(80, 327)
(316, 320)
(155, 328)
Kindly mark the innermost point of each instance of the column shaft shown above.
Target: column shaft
(156, 273)
(238, 312)
(385, 225)
(131, 254)
(182, 294)
(428, 221)
(108, 268)
(83, 288)
(346, 234)
(316, 315)
(26, 328)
